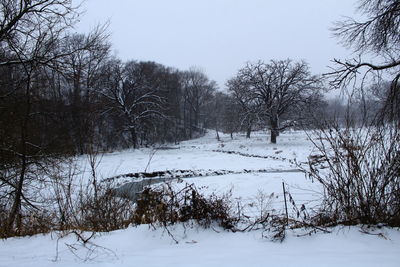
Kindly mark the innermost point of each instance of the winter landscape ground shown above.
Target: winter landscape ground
(254, 169)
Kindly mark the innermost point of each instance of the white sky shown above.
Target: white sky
(219, 36)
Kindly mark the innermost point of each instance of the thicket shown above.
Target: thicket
(359, 169)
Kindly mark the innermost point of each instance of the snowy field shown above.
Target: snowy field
(143, 246)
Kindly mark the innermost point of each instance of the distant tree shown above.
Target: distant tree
(277, 87)
(81, 69)
(223, 114)
(305, 113)
(167, 128)
(132, 92)
(198, 93)
(247, 102)
(231, 116)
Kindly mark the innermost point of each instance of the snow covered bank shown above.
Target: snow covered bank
(141, 246)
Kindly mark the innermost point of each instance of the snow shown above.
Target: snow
(197, 247)
(198, 154)
(145, 246)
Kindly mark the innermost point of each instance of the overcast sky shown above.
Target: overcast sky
(220, 36)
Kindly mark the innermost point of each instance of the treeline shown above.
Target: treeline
(89, 98)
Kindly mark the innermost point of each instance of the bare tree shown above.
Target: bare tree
(32, 34)
(81, 69)
(230, 118)
(198, 92)
(248, 103)
(29, 30)
(361, 176)
(130, 92)
(378, 35)
(277, 87)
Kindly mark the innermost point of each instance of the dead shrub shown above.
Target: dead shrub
(164, 206)
(36, 222)
(89, 204)
(103, 212)
(359, 169)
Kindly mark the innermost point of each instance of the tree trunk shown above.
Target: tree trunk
(184, 119)
(176, 131)
(274, 129)
(248, 132)
(133, 136)
(273, 136)
(190, 123)
(277, 127)
(16, 207)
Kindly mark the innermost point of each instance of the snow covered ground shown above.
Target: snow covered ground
(142, 246)
(199, 154)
